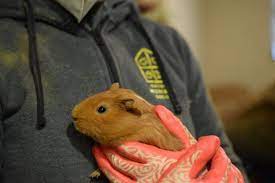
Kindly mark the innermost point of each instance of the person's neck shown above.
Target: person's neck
(78, 8)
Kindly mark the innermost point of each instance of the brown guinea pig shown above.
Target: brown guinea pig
(119, 115)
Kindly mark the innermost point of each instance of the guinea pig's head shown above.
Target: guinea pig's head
(111, 114)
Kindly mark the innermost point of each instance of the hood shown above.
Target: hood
(51, 12)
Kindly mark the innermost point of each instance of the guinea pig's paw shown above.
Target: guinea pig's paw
(95, 174)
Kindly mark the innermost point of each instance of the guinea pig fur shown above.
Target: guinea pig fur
(118, 115)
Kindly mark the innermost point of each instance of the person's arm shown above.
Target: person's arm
(205, 118)
(1, 121)
(11, 99)
(1, 136)
(1, 127)
(202, 112)
(12, 93)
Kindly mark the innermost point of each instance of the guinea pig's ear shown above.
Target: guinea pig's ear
(130, 106)
(114, 86)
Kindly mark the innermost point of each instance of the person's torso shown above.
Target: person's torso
(72, 68)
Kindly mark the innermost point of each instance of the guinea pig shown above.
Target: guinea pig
(119, 115)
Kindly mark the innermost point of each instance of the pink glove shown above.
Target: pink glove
(137, 162)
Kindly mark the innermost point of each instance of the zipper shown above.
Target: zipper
(108, 58)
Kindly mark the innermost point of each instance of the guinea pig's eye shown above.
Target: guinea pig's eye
(101, 109)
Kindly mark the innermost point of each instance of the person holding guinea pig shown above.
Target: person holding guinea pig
(54, 53)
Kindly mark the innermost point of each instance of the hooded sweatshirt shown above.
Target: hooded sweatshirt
(49, 62)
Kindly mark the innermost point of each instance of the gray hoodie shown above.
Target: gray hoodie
(49, 62)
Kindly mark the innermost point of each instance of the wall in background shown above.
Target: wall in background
(237, 43)
(230, 38)
(186, 17)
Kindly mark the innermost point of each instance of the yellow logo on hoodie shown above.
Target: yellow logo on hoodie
(149, 69)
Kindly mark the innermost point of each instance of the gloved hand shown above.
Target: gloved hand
(138, 162)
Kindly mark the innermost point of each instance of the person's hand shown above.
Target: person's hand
(137, 162)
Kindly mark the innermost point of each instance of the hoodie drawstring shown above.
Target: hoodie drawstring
(171, 92)
(34, 65)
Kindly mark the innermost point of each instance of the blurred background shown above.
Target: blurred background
(232, 42)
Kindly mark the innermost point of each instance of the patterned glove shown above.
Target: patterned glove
(137, 162)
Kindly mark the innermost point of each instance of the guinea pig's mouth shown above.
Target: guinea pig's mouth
(80, 126)
(77, 124)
